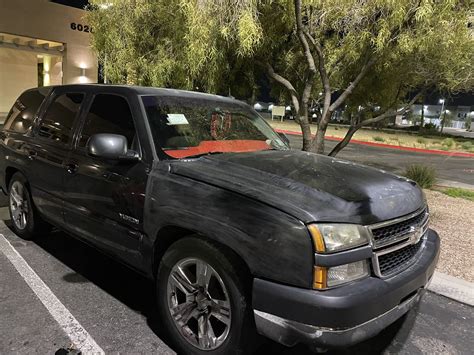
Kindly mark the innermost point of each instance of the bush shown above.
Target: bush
(430, 127)
(448, 142)
(421, 140)
(378, 139)
(424, 176)
(466, 145)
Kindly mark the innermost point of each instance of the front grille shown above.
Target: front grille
(393, 233)
(397, 242)
(398, 260)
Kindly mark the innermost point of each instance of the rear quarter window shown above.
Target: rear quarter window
(22, 114)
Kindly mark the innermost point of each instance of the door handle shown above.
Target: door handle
(72, 168)
(32, 154)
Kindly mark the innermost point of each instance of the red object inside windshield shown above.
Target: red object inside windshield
(236, 146)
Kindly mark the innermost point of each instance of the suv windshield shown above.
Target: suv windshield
(185, 126)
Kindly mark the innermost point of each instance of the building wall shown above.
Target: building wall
(41, 19)
(18, 72)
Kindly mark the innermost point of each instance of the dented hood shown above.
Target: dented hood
(308, 186)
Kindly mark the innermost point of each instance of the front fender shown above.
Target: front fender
(274, 245)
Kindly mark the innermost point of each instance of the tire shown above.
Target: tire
(26, 221)
(225, 308)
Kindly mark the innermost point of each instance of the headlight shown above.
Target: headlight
(336, 275)
(329, 238)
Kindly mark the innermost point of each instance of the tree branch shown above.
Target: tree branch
(353, 128)
(285, 82)
(363, 71)
(302, 38)
(322, 72)
(390, 113)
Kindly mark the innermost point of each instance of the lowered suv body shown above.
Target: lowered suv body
(240, 233)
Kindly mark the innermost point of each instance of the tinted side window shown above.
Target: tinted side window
(21, 116)
(59, 119)
(108, 114)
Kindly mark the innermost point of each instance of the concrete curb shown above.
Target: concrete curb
(452, 287)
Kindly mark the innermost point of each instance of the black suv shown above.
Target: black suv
(239, 233)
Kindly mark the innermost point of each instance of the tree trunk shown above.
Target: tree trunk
(318, 146)
(305, 127)
(345, 141)
(319, 141)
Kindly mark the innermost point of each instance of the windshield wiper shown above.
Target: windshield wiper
(203, 154)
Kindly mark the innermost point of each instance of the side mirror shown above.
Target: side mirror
(284, 138)
(110, 146)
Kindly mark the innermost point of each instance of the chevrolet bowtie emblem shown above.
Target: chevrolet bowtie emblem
(415, 234)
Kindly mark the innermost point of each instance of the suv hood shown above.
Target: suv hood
(308, 186)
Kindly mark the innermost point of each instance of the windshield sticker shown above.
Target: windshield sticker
(176, 119)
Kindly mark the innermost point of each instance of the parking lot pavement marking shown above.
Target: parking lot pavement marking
(80, 338)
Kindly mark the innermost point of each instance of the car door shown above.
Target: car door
(49, 149)
(104, 198)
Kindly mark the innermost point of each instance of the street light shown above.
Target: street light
(441, 101)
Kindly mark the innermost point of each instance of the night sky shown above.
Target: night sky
(432, 99)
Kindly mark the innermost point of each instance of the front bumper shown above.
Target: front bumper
(341, 316)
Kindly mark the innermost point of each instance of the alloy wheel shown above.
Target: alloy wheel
(199, 303)
(19, 205)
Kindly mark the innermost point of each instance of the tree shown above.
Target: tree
(364, 54)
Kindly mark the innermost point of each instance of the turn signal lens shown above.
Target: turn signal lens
(319, 277)
(318, 240)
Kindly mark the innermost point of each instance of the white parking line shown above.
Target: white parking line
(80, 338)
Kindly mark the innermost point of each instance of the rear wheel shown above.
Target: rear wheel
(203, 301)
(25, 219)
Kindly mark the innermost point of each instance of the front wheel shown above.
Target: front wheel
(25, 219)
(203, 301)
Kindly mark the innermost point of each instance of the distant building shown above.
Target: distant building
(42, 43)
(432, 114)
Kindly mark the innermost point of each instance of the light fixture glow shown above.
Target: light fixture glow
(105, 6)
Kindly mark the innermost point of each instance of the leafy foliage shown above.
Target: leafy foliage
(448, 142)
(357, 54)
(425, 176)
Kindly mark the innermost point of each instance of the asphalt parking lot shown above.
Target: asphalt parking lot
(116, 308)
(449, 168)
